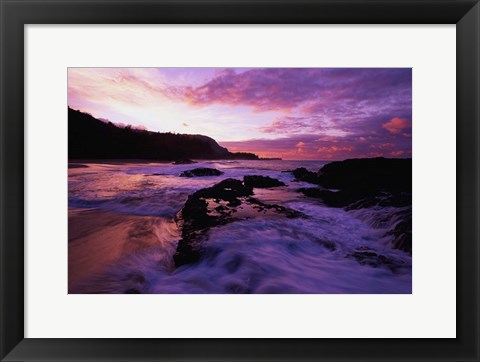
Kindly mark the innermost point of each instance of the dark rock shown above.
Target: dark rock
(302, 174)
(368, 183)
(402, 234)
(369, 174)
(215, 206)
(184, 161)
(363, 203)
(228, 190)
(375, 260)
(383, 199)
(289, 213)
(357, 199)
(194, 218)
(361, 183)
(401, 199)
(201, 171)
(261, 181)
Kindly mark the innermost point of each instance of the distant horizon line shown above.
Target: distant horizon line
(82, 160)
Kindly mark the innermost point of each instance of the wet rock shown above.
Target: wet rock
(375, 260)
(361, 183)
(194, 218)
(402, 234)
(287, 212)
(400, 199)
(228, 201)
(201, 171)
(261, 181)
(227, 190)
(362, 203)
(371, 174)
(302, 174)
(383, 199)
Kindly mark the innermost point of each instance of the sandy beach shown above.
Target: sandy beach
(99, 239)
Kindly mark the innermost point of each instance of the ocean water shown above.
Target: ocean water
(266, 254)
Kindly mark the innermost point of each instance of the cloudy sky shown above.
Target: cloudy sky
(292, 113)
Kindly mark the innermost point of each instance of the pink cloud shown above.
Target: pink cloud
(396, 153)
(300, 146)
(396, 125)
(335, 149)
(384, 146)
(313, 147)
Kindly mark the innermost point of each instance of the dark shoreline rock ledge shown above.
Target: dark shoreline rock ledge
(225, 202)
(261, 181)
(365, 183)
(360, 183)
(201, 171)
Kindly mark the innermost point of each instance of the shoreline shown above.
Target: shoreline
(115, 161)
(98, 239)
(77, 163)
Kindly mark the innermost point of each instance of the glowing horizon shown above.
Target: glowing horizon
(291, 113)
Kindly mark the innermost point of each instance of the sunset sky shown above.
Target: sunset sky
(292, 113)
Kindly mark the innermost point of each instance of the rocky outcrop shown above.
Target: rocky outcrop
(361, 183)
(383, 199)
(201, 171)
(228, 201)
(261, 181)
(367, 183)
(358, 199)
(369, 174)
(402, 235)
(374, 174)
(302, 174)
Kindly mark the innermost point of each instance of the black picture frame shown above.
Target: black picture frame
(15, 14)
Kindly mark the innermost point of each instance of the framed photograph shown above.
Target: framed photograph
(240, 180)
